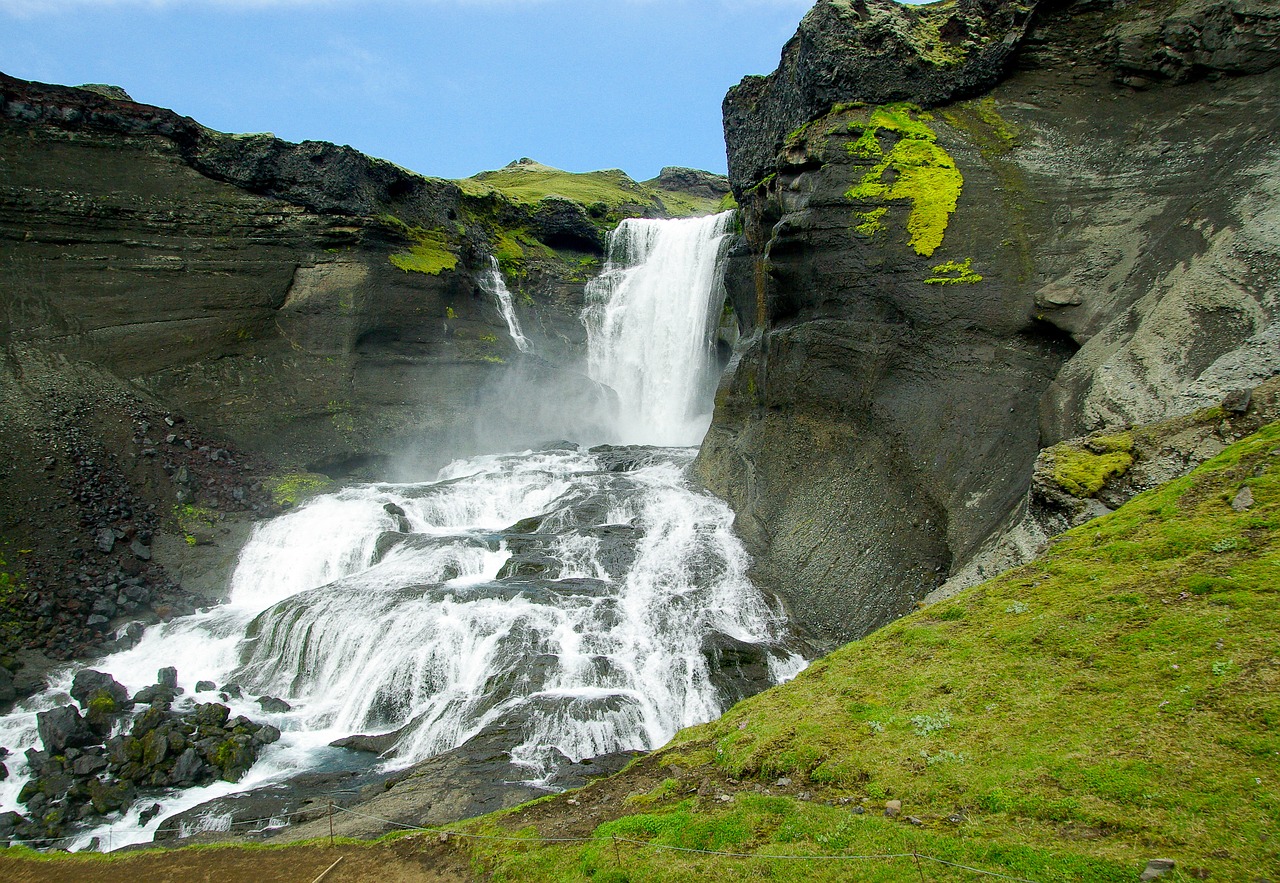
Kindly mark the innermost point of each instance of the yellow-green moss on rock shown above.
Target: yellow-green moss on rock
(914, 167)
(1082, 472)
(292, 488)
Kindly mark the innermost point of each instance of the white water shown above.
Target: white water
(598, 646)
(650, 318)
(493, 283)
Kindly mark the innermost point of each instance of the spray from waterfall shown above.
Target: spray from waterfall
(650, 318)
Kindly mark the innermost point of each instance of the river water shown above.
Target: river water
(579, 600)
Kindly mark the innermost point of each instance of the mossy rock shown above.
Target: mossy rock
(292, 488)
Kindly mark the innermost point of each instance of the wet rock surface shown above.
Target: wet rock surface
(104, 760)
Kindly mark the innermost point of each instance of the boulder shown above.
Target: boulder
(62, 728)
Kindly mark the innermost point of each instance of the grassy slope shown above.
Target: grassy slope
(611, 188)
(1116, 700)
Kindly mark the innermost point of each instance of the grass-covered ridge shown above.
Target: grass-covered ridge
(603, 192)
(1116, 700)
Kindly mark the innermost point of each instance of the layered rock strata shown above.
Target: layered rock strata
(1075, 225)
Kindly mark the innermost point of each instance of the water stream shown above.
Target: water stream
(579, 601)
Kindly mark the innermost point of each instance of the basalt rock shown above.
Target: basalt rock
(1039, 248)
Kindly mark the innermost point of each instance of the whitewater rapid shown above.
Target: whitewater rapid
(577, 601)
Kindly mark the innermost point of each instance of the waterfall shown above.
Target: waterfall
(650, 318)
(493, 283)
(574, 603)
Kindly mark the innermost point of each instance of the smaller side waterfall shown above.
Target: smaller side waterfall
(493, 283)
(649, 320)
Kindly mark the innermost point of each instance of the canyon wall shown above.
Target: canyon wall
(972, 230)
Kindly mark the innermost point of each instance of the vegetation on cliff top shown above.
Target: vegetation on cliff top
(602, 192)
(1115, 700)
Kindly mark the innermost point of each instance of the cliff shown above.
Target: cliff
(973, 230)
(196, 325)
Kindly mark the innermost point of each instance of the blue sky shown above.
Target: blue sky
(443, 87)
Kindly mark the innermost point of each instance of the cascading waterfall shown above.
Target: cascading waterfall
(493, 283)
(649, 320)
(575, 602)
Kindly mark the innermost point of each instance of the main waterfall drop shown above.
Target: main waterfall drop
(650, 318)
(563, 604)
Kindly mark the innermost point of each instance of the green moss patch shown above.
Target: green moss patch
(954, 273)
(905, 163)
(292, 488)
(1082, 471)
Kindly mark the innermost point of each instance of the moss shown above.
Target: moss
(103, 703)
(1082, 472)
(954, 273)
(293, 487)
(913, 168)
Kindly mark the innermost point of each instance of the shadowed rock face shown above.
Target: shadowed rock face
(1110, 257)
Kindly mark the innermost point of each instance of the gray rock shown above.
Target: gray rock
(105, 539)
(1243, 500)
(1157, 868)
(140, 551)
(893, 808)
(203, 686)
(63, 728)
(167, 677)
(272, 705)
(1237, 401)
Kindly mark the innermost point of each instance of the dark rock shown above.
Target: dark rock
(1237, 401)
(272, 705)
(140, 551)
(205, 686)
(266, 735)
(871, 51)
(189, 768)
(148, 814)
(379, 744)
(210, 715)
(695, 182)
(153, 694)
(89, 685)
(738, 669)
(167, 677)
(88, 764)
(393, 509)
(233, 691)
(62, 728)
(7, 691)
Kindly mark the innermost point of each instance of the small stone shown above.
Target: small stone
(858, 810)
(913, 820)
(202, 686)
(140, 551)
(1157, 868)
(105, 540)
(893, 808)
(1243, 500)
(783, 782)
(167, 677)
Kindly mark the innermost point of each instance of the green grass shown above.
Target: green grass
(602, 192)
(1116, 700)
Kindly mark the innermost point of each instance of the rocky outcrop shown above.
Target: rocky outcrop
(929, 294)
(870, 51)
(103, 761)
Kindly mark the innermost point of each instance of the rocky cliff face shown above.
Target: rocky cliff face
(1075, 225)
(187, 315)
